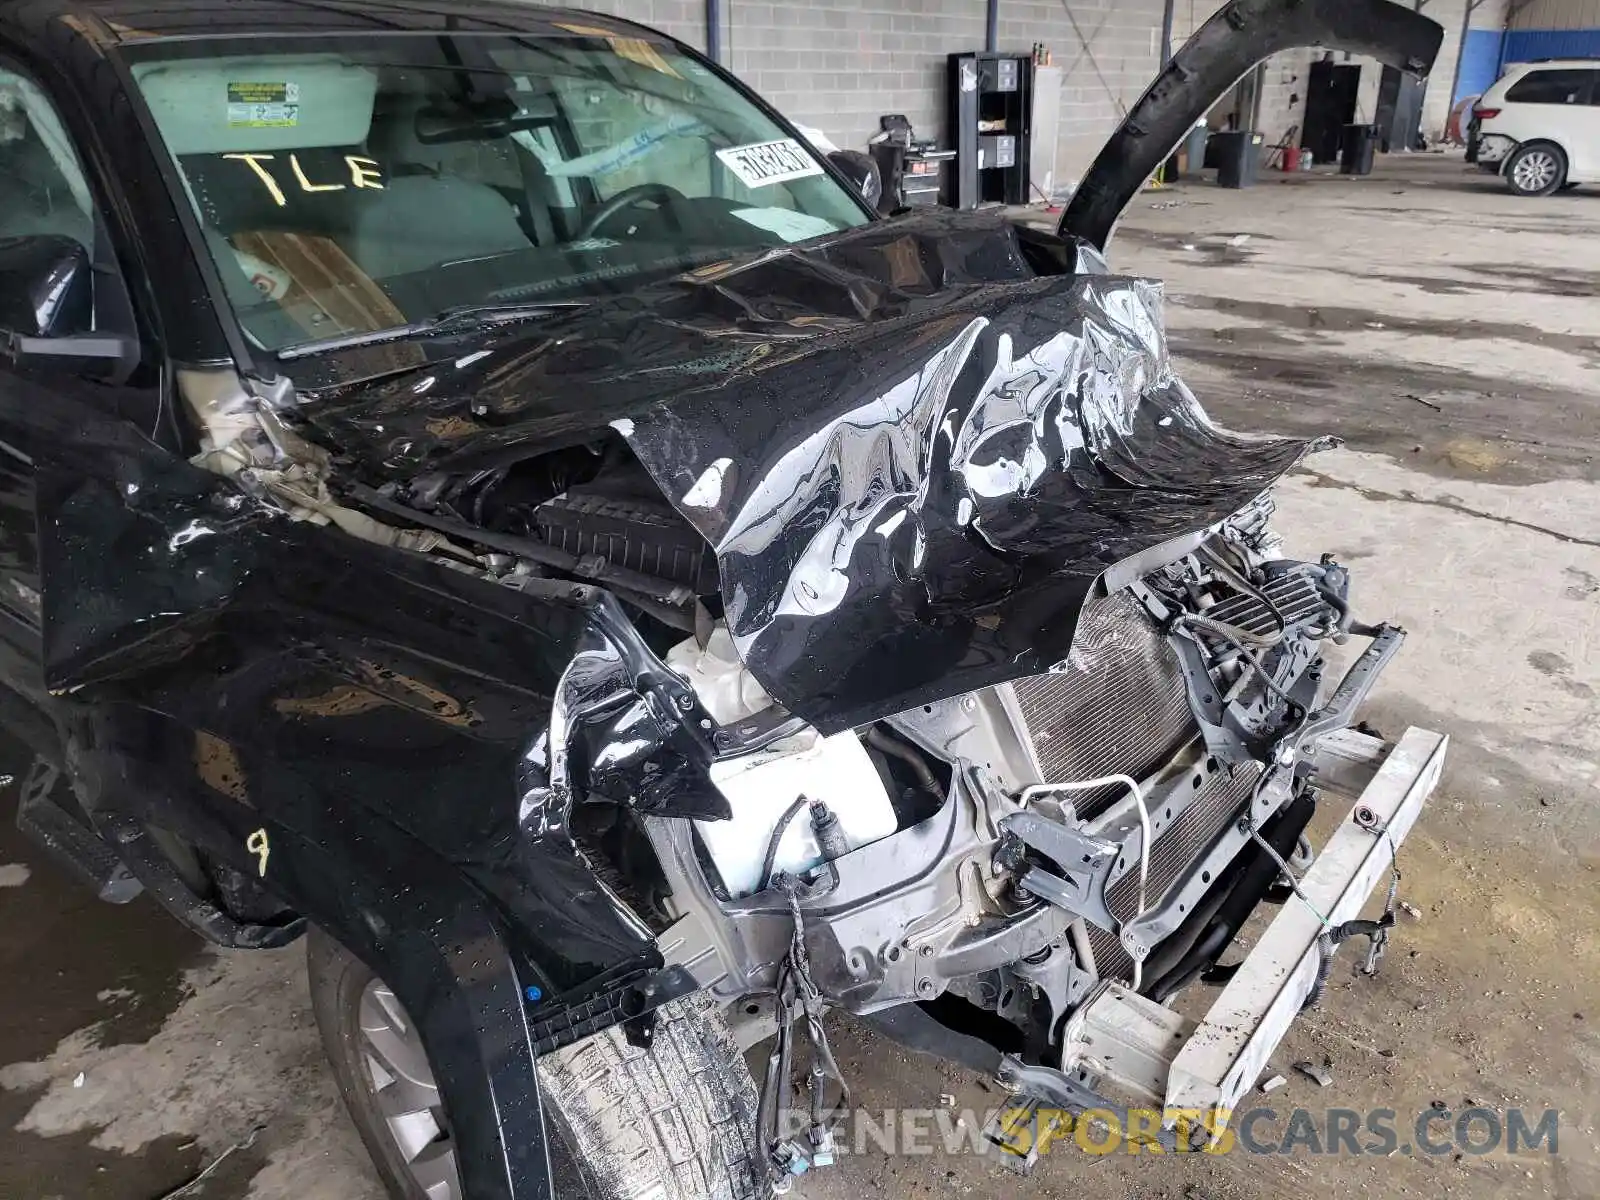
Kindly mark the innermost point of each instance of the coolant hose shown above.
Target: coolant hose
(881, 741)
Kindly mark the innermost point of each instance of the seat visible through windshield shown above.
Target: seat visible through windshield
(351, 188)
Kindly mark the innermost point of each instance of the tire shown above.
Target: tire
(1536, 169)
(675, 1122)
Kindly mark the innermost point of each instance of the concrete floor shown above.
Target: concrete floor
(1449, 332)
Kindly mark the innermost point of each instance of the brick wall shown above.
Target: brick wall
(1108, 51)
(682, 19)
(838, 64)
(1491, 14)
(1556, 14)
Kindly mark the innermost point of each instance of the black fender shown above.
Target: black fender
(232, 660)
(402, 909)
(349, 726)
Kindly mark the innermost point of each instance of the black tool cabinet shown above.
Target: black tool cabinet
(990, 103)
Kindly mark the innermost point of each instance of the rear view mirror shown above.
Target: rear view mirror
(482, 121)
(47, 308)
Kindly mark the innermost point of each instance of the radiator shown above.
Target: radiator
(1120, 706)
(1174, 849)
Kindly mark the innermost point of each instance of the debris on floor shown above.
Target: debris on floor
(189, 1188)
(1272, 1083)
(1318, 1075)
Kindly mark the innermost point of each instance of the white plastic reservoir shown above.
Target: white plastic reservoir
(760, 786)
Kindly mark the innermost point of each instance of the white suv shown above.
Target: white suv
(1539, 126)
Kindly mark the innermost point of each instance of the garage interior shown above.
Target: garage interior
(1444, 328)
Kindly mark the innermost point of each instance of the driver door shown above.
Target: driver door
(59, 285)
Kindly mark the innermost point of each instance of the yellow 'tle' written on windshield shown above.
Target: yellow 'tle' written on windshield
(364, 173)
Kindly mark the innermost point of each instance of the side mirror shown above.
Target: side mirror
(862, 173)
(46, 286)
(47, 306)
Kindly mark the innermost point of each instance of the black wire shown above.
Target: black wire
(1250, 656)
(1338, 604)
(772, 843)
(1243, 583)
(1326, 948)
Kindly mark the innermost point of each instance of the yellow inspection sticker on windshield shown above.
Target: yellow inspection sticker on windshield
(263, 105)
(766, 163)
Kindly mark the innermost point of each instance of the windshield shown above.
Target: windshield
(350, 186)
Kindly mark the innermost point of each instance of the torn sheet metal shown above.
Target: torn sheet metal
(226, 669)
(622, 727)
(913, 453)
(153, 562)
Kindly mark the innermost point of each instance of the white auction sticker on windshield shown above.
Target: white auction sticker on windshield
(766, 163)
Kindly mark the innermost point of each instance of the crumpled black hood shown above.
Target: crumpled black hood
(913, 454)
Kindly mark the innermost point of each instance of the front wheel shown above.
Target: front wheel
(1536, 169)
(674, 1122)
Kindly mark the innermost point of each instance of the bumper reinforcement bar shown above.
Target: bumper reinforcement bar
(1149, 1054)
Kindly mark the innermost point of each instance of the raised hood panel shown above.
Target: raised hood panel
(1219, 54)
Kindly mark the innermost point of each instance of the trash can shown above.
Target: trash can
(1238, 157)
(1196, 145)
(1356, 151)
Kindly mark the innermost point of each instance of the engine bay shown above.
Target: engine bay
(588, 511)
(952, 707)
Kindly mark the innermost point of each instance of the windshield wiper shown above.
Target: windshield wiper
(456, 319)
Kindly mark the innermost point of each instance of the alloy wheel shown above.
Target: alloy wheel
(1535, 170)
(406, 1095)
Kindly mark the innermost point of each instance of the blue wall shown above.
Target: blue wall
(1525, 45)
(1480, 62)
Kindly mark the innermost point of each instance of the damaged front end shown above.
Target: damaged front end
(877, 623)
(940, 667)
(951, 674)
